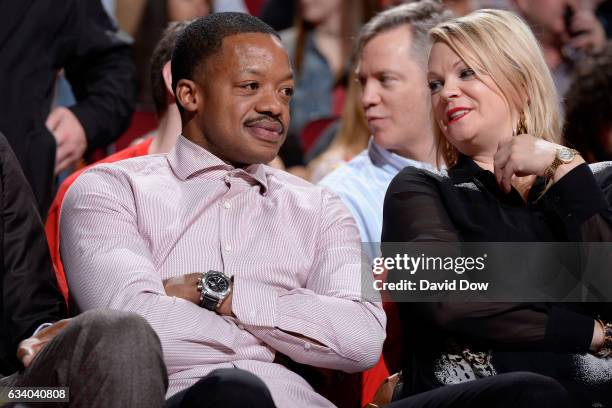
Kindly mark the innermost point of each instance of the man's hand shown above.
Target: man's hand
(186, 287)
(29, 348)
(69, 136)
(591, 35)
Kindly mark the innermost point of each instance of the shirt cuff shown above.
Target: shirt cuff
(254, 303)
(42, 326)
(577, 196)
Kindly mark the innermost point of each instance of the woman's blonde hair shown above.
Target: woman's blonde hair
(500, 45)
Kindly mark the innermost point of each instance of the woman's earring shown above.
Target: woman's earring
(521, 128)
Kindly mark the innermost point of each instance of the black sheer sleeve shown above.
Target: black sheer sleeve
(582, 199)
(415, 210)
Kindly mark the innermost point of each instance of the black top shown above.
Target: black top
(37, 39)
(468, 205)
(28, 291)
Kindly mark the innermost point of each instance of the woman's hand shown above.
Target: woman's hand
(525, 155)
(522, 155)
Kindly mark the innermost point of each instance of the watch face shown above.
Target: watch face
(566, 155)
(217, 282)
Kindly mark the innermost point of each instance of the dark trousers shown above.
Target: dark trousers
(107, 359)
(514, 390)
(224, 388)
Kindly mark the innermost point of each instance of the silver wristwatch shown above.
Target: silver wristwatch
(214, 286)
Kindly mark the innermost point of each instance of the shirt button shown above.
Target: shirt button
(227, 205)
(228, 248)
(307, 346)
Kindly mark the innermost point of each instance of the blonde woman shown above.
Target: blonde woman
(496, 117)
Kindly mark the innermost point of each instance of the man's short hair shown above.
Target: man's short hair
(161, 55)
(204, 37)
(420, 16)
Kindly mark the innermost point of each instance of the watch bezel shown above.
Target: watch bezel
(566, 155)
(207, 289)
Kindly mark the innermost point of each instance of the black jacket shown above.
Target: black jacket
(37, 39)
(28, 291)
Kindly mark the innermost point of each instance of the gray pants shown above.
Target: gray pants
(107, 358)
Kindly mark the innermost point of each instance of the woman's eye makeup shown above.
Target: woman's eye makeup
(466, 73)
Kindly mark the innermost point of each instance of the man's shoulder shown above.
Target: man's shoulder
(298, 189)
(135, 165)
(286, 179)
(124, 171)
(356, 174)
(418, 179)
(358, 167)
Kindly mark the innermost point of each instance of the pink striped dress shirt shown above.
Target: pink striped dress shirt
(293, 249)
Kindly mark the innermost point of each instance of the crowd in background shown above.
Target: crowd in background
(327, 126)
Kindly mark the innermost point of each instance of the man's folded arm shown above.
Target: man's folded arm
(108, 264)
(327, 324)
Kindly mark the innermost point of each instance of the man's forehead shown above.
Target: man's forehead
(254, 51)
(378, 49)
(251, 42)
(395, 60)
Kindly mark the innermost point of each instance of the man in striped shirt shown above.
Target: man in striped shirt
(292, 250)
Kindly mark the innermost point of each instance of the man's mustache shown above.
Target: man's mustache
(266, 118)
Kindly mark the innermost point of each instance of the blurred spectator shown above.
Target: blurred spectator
(567, 30)
(38, 39)
(155, 18)
(460, 7)
(278, 13)
(129, 14)
(603, 10)
(229, 5)
(319, 45)
(350, 137)
(589, 108)
(160, 140)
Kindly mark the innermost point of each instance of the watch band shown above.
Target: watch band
(209, 302)
(552, 169)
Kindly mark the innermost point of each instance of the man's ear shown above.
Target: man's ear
(188, 95)
(167, 75)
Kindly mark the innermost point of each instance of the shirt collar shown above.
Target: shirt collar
(465, 170)
(393, 162)
(188, 160)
